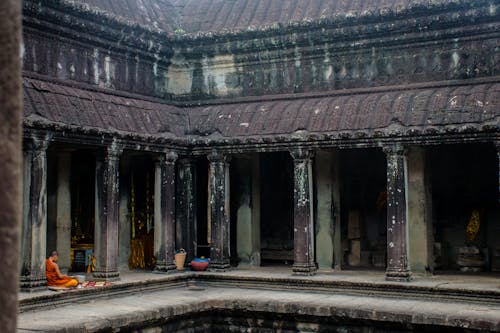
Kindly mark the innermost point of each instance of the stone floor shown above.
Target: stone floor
(483, 282)
(138, 305)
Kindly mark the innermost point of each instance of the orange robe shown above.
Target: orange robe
(54, 280)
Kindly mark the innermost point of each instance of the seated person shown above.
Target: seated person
(54, 276)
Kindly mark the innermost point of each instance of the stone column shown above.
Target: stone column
(327, 229)
(419, 212)
(165, 211)
(397, 227)
(247, 187)
(303, 213)
(63, 210)
(219, 211)
(11, 133)
(107, 201)
(186, 207)
(34, 230)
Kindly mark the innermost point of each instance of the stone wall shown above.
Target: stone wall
(453, 43)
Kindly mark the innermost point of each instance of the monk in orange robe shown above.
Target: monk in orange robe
(54, 276)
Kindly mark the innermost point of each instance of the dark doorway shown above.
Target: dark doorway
(276, 208)
(465, 186)
(363, 200)
(202, 230)
(83, 166)
(141, 207)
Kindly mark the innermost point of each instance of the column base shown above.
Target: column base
(163, 268)
(33, 283)
(106, 276)
(398, 276)
(219, 267)
(304, 269)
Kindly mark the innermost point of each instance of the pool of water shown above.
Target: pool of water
(247, 321)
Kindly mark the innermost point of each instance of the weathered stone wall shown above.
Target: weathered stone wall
(11, 157)
(110, 66)
(453, 43)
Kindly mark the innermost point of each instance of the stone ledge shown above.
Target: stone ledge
(156, 308)
(325, 285)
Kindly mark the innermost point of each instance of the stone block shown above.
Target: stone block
(354, 258)
(353, 226)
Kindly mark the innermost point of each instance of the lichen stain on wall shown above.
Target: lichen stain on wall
(220, 75)
(179, 75)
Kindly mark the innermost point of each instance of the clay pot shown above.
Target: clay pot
(180, 259)
(199, 264)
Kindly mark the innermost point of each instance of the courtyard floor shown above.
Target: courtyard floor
(144, 298)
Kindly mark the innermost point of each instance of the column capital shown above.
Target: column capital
(37, 143)
(217, 156)
(114, 150)
(395, 149)
(301, 153)
(171, 157)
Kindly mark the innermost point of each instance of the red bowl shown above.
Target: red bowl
(199, 266)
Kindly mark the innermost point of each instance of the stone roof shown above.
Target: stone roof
(378, 112)
(197, 16)
(396, 112)
(71, 106)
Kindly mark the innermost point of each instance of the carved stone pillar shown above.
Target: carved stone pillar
(186, 207)
(219, 211)
(165, 228)
(107, 204)
(34, 229)
(303, 213)
(397, 210)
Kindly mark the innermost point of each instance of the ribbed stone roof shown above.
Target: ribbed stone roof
(370, 113)
(196, 16)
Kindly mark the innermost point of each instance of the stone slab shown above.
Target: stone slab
(146, 308)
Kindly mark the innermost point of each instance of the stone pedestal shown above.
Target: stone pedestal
(219, 211)
(34, 229)
(303, 214)
(164, 247)
(397, 227)
(107, 203)
(186, 208)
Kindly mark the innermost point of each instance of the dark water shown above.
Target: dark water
(245, 321)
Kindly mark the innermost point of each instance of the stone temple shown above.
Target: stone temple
(312, 149)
